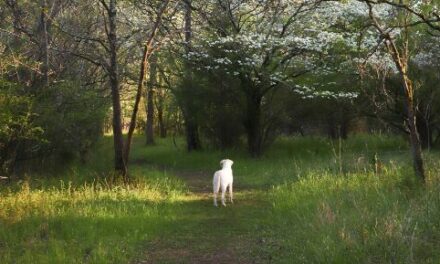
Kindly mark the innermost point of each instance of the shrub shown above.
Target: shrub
(72, 119)
(17, 126)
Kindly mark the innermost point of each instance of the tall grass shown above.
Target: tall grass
(89, 223)
(307, 200)
(362, 218)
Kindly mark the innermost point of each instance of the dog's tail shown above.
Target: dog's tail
(216, 182)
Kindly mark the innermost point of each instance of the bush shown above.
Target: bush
(17, 124)
(72, 119)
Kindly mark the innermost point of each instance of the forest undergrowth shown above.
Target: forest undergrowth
(307, 200)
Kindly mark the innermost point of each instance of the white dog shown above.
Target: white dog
(223, 178)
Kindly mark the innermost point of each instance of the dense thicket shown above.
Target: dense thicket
(223, 73)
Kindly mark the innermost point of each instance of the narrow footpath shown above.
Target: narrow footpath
(206, 234)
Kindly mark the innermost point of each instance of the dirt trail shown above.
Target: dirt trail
(206, 234)
(198, 182)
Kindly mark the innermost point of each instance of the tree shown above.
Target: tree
(16, 125)
(191, 123)
(394, 23)
(112, 70)
(52, 84)
(160, 104)
(103, 53)
(152, 85)
(34, 28)
(399, 51)
(261, 47)
(148, 52)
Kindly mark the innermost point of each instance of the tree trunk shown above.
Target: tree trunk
(332, 128)
(149, 129)
(400, 58)
(8, 158)
(118, 141)
(192, 134)
(44, 44)
(416, 149)
(191, 125)
(144, 65)
(424, 129)
(160, 104)
(253, 125)
(17, 16)
(162, 127)
(160, 118)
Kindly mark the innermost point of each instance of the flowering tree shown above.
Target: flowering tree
(264, 47)
(393, 25)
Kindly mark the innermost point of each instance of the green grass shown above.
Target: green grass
(91, 223)
(358, 219)
(307, 200)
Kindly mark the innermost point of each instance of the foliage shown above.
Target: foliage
(253, 67)
(63, 121)
(17, 124)
(72, 118)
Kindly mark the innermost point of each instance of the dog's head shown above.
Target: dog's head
(226, 163)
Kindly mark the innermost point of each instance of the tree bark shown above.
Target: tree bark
(400, 58)
(191, 124)
(149, 129)
(162, 127)
(416, 149)
(44, 43)
(192, 134)
(148, 49)
(160, 104)
(424, 130)
(8, 158)
(144, 66)
(160, 98)
(118, 141)
(253, 125)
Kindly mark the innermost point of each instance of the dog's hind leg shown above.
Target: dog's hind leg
(231, 196)
(223, 195)
(215, 199)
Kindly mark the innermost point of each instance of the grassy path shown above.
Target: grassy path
(205, 234)
(291, 206)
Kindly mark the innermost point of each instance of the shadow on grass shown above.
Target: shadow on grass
(206, 234)
(190, 230)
